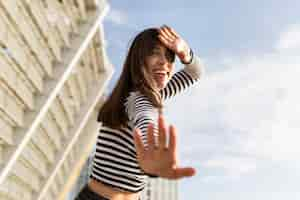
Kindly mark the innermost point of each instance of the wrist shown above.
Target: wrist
(188, 57)
(150, 174)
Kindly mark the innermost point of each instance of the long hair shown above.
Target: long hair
(134, 77)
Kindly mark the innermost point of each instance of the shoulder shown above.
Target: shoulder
(136, 98)
(136, 102)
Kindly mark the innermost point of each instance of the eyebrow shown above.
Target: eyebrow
(158, 48)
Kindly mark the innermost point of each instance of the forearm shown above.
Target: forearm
(184, 78)
(195, 69)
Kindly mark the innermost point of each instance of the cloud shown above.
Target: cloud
(250, 109)
(233, 166)
(289, 39)
(117, 17)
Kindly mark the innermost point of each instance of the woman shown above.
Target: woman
(123, 161)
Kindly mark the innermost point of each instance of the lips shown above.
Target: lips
(161, 73)
(160, 76)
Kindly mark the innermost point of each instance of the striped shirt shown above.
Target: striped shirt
(115, 162)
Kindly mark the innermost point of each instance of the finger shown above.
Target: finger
(162, 133)
(167, 31)
(163, 33)
(173, 32)
(183, 172)
(168, 41)
(139, 146)
(168, 34)
(173, 140)
(150, 137)
(164, 41)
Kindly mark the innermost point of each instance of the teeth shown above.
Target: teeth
(160, 73)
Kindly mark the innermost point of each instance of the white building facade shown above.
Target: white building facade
(53, 73)
(160, 189)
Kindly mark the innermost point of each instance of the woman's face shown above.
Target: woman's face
(160, 65)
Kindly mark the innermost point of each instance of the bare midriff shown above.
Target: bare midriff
(110, 192)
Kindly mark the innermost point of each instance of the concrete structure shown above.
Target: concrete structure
(160, 189)
(53, 72)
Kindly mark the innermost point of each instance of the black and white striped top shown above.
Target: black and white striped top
(115, 163)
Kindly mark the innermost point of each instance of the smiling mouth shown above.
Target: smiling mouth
(161, 78)
(162, 73)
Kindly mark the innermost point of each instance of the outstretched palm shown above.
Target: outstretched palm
(174, 42)
(160, 159)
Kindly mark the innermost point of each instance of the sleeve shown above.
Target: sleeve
(184, 78)
(141, 112)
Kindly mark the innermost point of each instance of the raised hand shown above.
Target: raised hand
(160, 159)
(174, 42)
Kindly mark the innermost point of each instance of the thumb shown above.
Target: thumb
(184, 172)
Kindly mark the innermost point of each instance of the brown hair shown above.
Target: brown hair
(133, 77)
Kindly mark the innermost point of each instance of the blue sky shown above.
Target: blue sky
(240, 126)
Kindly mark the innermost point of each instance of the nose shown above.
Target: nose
(163, 59)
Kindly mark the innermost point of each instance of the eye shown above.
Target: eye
(170, 56)
(155, 52)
